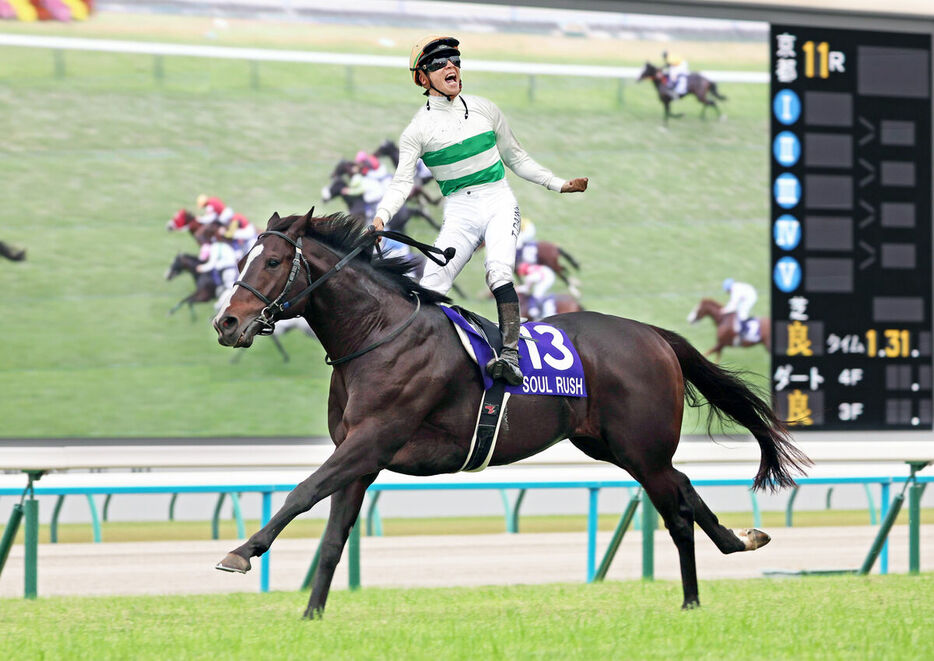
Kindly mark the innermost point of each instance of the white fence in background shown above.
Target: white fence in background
(345, 59)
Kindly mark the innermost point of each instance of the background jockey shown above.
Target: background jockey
(537, 280)
(676, 69)
(220, 262)
(371, 179)
(241, 233)
(213, 210)
(742, 297)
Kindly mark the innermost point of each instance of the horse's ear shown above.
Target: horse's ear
(308, 216)
(272, 220)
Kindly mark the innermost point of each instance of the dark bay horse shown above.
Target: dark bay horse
(726, 327)
(404, 395)
(205, 287)
(701, 87)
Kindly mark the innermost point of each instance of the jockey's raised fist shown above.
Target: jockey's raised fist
(578, 185)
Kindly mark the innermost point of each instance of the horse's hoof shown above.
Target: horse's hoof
(752, 538)
(690, 605)
(233, 562)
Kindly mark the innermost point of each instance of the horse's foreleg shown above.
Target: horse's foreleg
(345, 508)
(360, 454)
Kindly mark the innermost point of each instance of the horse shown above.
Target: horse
(560, 303)
(701, 87)
(404, 394)
(186, 220)
(726, 329)
(205, 287)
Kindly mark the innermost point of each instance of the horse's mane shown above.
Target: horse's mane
(343, 232)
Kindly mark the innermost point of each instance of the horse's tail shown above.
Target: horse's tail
(729, 397)
(571, 260)
(715, 92)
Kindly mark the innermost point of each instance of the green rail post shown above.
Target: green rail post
(238, 515)
(9, 533)
(883, 533)
(32, 548)
(756, 514)
(53, 524)
(621, 528)
(649, 523)
(620, 86)
(374, 524)
(348, 80)
(95, 520)
(790, 506)
(914, 518)
(873, 520)
(172, 506)
(531, 88)
(827, 498)
(514, 517)
(215, 520)
(105, 512)
(353, 555)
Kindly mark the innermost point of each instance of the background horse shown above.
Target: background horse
(205, 288)
(551, 255)
(404, 395)
(702, 88)
(11, 253)
(726, 327)
(552, 304)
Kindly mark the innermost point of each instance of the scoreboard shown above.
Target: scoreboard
(851, 241)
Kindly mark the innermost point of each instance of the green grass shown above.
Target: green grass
(814, 618)
(93, 164)
(157, 531)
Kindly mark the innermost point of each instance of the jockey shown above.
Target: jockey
(241, 233)
(371, 180)
(178, 222)
(676, 69)
(213, 209)
(465, 142)
(742, 297)
(219, 260)
(537, 279)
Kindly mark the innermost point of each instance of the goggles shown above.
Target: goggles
(441, 62)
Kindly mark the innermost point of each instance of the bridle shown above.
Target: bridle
(266, 318)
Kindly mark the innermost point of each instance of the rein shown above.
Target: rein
(267, 316)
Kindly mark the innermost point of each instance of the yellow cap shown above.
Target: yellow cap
(202, 200)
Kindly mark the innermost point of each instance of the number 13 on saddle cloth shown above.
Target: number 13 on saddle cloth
(549, 361)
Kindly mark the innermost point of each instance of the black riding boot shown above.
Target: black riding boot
(506, 365)
(11, 253)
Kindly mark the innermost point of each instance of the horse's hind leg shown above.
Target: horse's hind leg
(345, 508)
(728, 541)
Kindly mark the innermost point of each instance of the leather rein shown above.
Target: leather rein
(274, 307)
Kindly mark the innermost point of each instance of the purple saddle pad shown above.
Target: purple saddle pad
(548, 360)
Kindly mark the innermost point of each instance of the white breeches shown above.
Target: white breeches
(486, 213)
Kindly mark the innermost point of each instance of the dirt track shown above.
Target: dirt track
(187, 567)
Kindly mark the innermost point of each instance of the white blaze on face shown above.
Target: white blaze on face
(224, 301)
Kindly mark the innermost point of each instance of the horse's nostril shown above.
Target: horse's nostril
(229, 322)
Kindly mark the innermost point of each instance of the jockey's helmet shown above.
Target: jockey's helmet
(202, 200)
(728, 284)
(427, 49)
(366, 161)
(672, 59)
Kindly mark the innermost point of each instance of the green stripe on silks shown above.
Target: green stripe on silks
(458, 152)
(486, 176)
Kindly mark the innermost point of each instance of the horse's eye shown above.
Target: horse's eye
(273, 263)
